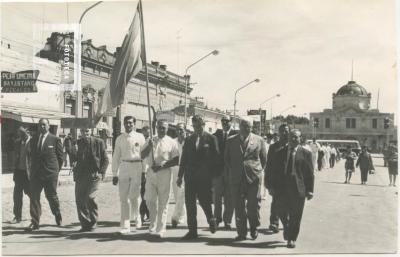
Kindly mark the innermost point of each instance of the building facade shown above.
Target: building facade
(352, 118)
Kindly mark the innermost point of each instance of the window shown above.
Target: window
(350, 123)
(70, 106)
(327, 123)
(86, 110)
(374, 123)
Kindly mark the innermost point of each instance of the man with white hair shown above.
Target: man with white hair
(162, 157)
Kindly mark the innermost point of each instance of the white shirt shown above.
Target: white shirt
(44, 138)
(164, 150)
(314, 147)
(128, 147)
(333, 151)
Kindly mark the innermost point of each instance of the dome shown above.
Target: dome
(352, 89)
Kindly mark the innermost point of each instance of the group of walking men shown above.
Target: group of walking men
(202, 167)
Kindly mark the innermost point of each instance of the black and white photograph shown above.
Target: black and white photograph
(188, 127)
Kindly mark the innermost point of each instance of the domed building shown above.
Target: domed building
(351, 118)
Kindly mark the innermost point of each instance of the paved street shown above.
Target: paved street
(342, 218)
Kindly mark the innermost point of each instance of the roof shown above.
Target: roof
(352, 89)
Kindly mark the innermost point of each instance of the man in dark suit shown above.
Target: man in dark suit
(91, 165)
(245, 158)
(293, 186)
(198, 164)
(220, 182)
(47, 158)
(22, 171)
(273, 172)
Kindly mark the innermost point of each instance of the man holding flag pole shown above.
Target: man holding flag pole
(129, 63)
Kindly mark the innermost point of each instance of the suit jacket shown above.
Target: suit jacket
(274, 171)
(302, 175)
(365, 162)
(28, 162)
(219, 134)
(47, 162)
(96, 162)
(201, 162)
(245, 164)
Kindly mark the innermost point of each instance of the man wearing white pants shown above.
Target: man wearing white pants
(158, 182)
(179, 213)
(314, 151)
(127, 172)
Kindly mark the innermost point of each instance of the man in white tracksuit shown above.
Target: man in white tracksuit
(127, 172)
(158, 181)
(179, 213)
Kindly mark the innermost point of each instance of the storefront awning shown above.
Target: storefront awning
(27, 114)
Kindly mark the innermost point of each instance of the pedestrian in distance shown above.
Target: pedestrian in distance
(350, 157)
(246, 157)
(320, 160)
(90, 167)
(221, 181)
(365, 163)
(274, 172)
(22, 171)
(127, 173)
(46, 159)
(198, 167)
(162, 153)
(332, 159)
(67, 145)
(179, 213)
(294, 186)
(327, 155)
(392, 165)
(315, 147)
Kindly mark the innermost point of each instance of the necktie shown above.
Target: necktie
(40, 142)
(197, 142)
(289, 168)
(225, 136)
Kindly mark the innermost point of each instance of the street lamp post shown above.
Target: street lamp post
(237, 90)
(215, 52)
(272, 97)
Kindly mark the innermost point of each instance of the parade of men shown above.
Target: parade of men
(221, 181)
(213, 127)
(46, 163)
(162, 153)
(197, 168)
(90, 168)
(22, 172)
(179, 213)
(127, 173)
(273, 173)
(245, 157)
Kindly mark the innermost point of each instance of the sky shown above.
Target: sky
(300, 49)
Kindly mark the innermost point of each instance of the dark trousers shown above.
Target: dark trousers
(319, 161)
(364, 175)
(222, 191)
(144, 211)
(197, 188)
(274, 214)
(21, 186)
(247, 201)
(50, 190)
(332, 160)
(85, 194)
(290, 212)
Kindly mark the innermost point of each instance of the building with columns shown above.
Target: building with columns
(353, 118)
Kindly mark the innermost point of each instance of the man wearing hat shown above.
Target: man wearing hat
(220, 182)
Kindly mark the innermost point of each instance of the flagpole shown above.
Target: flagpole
(147, 74)
(145, 66)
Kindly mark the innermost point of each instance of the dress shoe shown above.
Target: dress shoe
(86, 229)
(174, 223)
(190, 236)
(213, 225)
(291, 244)
(274, 229)
(58, 220)
(240, 238)
(228, 226)
(16, 220)
(254, 233)
(32, 227)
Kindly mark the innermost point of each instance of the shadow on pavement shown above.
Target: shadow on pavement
(353, 184)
